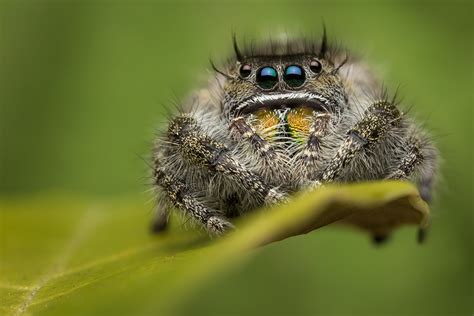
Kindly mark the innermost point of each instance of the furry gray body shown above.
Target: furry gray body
(212, 163)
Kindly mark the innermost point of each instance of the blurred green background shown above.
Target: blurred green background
(84, 85)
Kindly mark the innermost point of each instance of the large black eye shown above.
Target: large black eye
(294, 76)
(267, 77)
(245, 70)
(315, 66)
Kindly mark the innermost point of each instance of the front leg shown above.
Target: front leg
(378, 120)
(186, 149)
(199, 149)
(417, 162)
(182, 197)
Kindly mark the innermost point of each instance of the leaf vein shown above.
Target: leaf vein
(88, 222)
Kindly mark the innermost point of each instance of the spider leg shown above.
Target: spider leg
(199, 149)
(183, 198)
(408, 162)
(419, 156)
(160, 219)
(378, 119)
(376, 122)
(380, 239)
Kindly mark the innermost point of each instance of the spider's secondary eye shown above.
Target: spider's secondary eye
(294, 76)
(245, 70)
(315, 66)
(267, 77)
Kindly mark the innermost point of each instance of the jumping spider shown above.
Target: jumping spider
(281, 117)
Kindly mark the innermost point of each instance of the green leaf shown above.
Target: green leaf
(64, 256)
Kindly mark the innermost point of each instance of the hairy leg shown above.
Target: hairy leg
(199, 149)
(419, 155)
(418, 159)
(160, 219)
(376, 122)
(378, 119)
(183, 198)
(408, 162)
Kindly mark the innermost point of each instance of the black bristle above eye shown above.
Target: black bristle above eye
(288, 46)
(238, 53)
(324, 44)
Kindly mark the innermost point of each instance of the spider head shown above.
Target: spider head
(281, 78)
